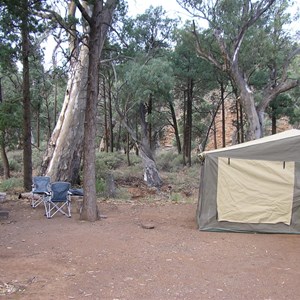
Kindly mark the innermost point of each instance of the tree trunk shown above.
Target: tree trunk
(27, 150)
(105, 137)
(38, 126)
(128, 149)
(238, 132)
(274, 121)
(184, 126)
(248, 104)
(149, 116)
(89, 208)
(188, 123)
(175, 126)
(151, 175)
(62, 159)
(241, 122)
(99, 23)
(4, 158)
(223, 116)
(63, 155)
(111, 125)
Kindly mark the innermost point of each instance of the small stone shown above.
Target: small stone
(147, 226)
(4, 214)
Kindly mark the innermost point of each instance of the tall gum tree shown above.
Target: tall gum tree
(75, 131)
(62, 158)
(230, 21)
(63, 154)
(99, 20)
(145, 82)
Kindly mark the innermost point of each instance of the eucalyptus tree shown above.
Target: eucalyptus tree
(99, 18)
(234, 27)
(62, 158)
(194, 78)
(10, 118)
(19, 23)
(144, 82)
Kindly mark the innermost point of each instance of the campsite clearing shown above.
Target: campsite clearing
(123, 257)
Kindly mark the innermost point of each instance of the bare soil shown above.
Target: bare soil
(142, 250)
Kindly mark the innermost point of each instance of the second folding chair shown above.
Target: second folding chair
(59, 200)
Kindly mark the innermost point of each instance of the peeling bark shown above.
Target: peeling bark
(62, 159)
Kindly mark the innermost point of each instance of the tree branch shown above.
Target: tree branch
(83, 12)
(202, 53)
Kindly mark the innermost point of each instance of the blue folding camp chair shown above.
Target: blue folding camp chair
(59, 199)
(40, 190)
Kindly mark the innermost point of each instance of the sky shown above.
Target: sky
(172, 8)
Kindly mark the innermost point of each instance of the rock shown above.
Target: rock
(4, 214)
(147, 225)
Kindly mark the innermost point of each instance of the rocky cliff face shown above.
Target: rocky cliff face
(216, 134)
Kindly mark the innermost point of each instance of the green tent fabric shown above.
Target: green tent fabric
(252, 187)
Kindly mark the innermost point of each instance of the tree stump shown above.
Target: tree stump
(110, 186)
(2, 197)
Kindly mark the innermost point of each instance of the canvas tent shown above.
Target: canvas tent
(252, 187)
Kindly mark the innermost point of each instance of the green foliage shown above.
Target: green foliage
(169, 161)
(100, 186)
(10, 112)
(12, 14)
(11, 184)
(37, 157)
(149, 32)
(15, 165)
(109, 161)
(175, 197)
(153, 77)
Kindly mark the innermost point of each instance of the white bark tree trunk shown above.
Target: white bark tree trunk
(62, 158)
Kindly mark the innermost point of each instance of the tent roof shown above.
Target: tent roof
(272, 138)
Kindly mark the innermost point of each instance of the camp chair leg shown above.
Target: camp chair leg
(36, 202)
(53, 208)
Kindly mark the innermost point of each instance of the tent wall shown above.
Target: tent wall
(207, 214)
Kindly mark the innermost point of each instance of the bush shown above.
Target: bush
(110, 161)
(169, 161)
(15, 160)
(100, 186)
(14, 165)
(37, 158)
(11, 184)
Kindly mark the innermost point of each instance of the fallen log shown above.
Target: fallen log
(29, 195)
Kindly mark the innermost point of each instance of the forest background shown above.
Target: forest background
(118, 86)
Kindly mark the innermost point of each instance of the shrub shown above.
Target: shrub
(110, 161)
(15, 165)
(100, 186)
(11, 184)
(169, 161)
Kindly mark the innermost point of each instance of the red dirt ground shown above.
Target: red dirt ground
(117, 258)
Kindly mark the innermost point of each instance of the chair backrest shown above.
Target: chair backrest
(41, 184)
(60, 191)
